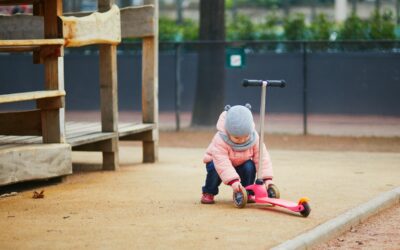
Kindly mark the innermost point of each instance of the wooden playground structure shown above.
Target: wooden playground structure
(37, 144)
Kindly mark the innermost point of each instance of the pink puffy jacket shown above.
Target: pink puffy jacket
(226, 159)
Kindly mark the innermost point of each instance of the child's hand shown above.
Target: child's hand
(236, 186)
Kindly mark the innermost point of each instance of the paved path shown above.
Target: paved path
(335, 125)
(156, 206)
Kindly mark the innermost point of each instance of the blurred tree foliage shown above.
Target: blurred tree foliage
(382, 27)
(169, 30)
(271, 28)
(241, 28)
(321, 28)
(295, 27)
(354, 29)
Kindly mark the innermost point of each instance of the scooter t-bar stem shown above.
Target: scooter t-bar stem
(259, 83)
(261, 142)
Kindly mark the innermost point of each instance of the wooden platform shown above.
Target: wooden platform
(82, 133)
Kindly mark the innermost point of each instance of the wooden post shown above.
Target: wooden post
(150, 88)
(53, 121)
(109, 96)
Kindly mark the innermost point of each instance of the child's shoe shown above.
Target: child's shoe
(207, 199)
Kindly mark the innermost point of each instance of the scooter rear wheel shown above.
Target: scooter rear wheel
(240, 198)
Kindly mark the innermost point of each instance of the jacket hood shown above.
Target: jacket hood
(221, 122)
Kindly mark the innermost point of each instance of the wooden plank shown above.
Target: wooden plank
(21, 27)
(138, 22)
(129, 129)
(21, 139)
(15, 2)
(82, 126)
(34, 162)
(97, 28)
(31, 42)
(33, 95)
(82, 132)
(18, 49)
(90, 138)
(21, 123)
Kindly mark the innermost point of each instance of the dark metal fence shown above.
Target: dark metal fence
(350, 77)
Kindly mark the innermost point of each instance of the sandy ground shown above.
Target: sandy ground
(156, 206)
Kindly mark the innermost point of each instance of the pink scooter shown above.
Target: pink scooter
(270, 196)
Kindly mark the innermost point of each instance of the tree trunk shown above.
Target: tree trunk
(354, 6)
(179, 12)
(209, 99)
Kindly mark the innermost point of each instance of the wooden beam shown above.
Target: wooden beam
(51, 103)
(34, 162)
(109, 100)
(97, 28)
(34, 95)
(138, 22)
(21, 123)
(150, 88)
(105, 5)
(21, 27)
(142, 136)
(53, 121)
(109, 94)
(103, 146)
(43, 52)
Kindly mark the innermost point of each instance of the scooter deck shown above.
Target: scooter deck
(295, 207)
(261, 197)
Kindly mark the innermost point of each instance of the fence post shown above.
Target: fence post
(178, 58)
(305, 111)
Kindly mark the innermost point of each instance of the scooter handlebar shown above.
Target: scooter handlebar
(258, 83)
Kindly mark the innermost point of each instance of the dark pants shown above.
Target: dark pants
(246, 171)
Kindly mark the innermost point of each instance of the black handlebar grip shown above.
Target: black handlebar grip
(259, 83)
(252, 83)
(276, 83)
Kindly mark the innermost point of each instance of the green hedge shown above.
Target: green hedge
(377, 27)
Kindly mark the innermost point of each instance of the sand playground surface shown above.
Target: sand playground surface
(157, 206)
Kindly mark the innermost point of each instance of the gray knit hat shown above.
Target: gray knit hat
(239, 120)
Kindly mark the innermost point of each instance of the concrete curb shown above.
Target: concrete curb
(343, 222)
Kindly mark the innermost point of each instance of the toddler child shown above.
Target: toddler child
(233, 154)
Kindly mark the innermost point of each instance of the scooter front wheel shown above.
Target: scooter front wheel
(306, 211)
(273, 192)
(240, 198)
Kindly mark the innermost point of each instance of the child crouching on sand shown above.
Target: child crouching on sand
(233, 154)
